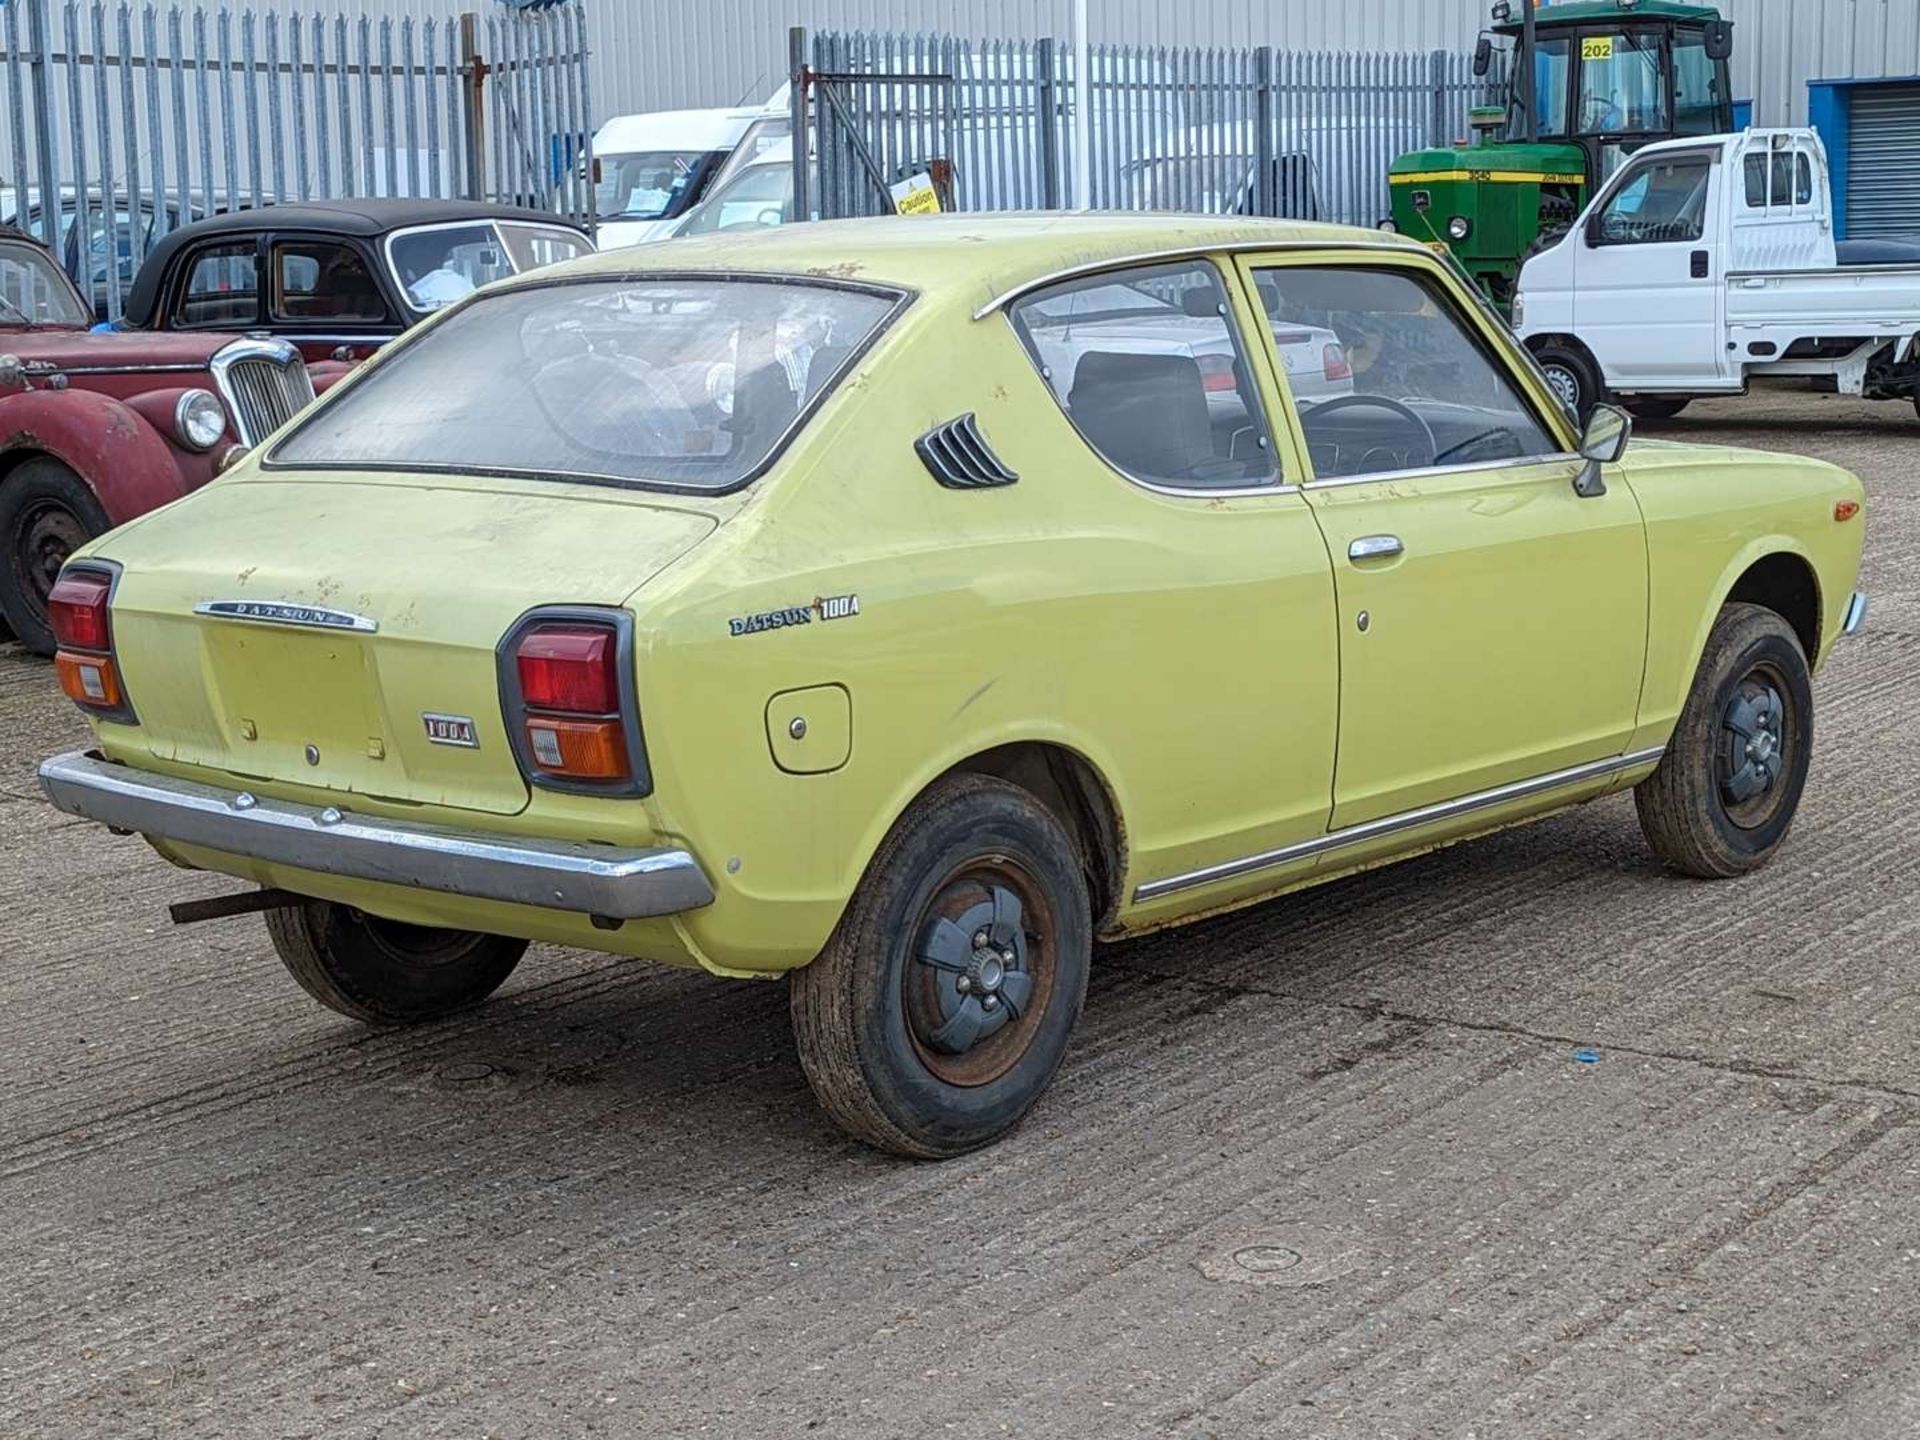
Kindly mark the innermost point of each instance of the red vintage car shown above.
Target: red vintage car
(98, 428)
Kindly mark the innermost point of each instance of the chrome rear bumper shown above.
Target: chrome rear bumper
(603, 880)
(1856, 616)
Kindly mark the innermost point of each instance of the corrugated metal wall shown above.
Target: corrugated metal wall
(666, 54)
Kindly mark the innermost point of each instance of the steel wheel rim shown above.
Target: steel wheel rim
(1759, 729)
(1564, 383)
(47, 534)
(973, 1010)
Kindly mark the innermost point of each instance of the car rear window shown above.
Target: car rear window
(680, 383)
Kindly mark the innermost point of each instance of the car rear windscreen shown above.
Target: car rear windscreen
(685, 383)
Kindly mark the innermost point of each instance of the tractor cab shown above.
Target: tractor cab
(1588, 82)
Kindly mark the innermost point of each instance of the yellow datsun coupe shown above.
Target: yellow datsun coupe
(901, 605)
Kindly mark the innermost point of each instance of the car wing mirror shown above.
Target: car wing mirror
(1602, 442)
(1719, 39)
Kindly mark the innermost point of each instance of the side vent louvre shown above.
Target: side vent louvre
(960, 458)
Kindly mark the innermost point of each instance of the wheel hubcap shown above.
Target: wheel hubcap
(980, 969)
(1755, 735)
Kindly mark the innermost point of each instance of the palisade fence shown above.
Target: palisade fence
(1307, 135)
(121, 121)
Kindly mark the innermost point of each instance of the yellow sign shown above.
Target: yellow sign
(916, 196)
(1597, 47)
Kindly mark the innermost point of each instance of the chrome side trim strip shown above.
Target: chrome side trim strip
(1856, 618)
(1341, 482)
(1393, 824)
(1200, 248)
(584, 879)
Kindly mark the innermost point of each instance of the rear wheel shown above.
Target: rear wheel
(384, 972)
(943, 1004)
(1726, 790)
(46, 513)
(1572, 378)
(1657, 407)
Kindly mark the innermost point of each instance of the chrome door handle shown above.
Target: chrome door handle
(1375, 547)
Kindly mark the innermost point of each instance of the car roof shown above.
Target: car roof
(672, 130)
(369, 216)
(976, 257)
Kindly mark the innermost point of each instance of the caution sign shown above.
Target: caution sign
(1596, 47)
(915, 195)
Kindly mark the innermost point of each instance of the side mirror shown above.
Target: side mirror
(1483, 56)
(1602, 442)
(1719, 39)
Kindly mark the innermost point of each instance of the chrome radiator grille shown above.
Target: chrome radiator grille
(264, 383)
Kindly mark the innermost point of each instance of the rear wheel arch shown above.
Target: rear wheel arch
(1074, 791)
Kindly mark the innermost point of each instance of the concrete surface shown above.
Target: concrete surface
(1328, 1168)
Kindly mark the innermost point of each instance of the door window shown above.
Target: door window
(1697, 103)
(221, 290)
(1150, 369)
(315, 280)
(1660, 202)
(1421, 390)
(1552, 65)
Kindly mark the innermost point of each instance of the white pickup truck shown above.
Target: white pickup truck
(1708, 264)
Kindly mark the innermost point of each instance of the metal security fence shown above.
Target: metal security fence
(119, 122)
(1257, 130)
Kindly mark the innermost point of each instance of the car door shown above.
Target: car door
(1215, 583)
(325, 295)
(1492, 622)
(1649, 275)
(215, 286)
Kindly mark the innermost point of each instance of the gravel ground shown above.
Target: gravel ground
(1327, 1168)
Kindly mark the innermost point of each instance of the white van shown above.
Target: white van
(651, 169)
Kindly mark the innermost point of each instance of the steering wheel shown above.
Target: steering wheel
(1599, 115)
(1378, 402)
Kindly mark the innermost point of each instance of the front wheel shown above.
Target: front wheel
(942, 1005)
(385, 972)
(1572, 378)
(46, 513)
(1726, 790)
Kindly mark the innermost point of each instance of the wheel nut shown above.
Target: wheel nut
(963, 984)
(980, 939)
(991, 1002)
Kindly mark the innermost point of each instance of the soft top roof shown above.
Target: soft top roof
(371, 216)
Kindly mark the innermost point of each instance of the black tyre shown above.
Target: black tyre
(1657, 407)
(1572, 378)
(46, 513)
(384, 972)
(943, 1004)
(1726, 791)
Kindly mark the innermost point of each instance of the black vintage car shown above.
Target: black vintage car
(339, 277)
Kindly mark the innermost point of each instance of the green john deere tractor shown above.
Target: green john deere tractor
(1589, 82)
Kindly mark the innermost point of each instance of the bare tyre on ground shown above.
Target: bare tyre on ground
(385, 972)
(942, 1005)
(1725, 793)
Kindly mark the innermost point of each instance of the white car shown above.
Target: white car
(1708, 264)
(651, 169)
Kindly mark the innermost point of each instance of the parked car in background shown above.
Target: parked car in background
(753, 194)
(339, 277)
(98, 428)
(109, 253)
(778, 602)
(648, 170)
(1708, 264)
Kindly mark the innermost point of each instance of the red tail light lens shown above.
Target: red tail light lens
(1216, 374)
(571, 668)
(570, 704)
(77, 611)
(1333, 361)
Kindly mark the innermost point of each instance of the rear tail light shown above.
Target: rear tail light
(1333, 361)
(567, 693)
(1216, 374)
(78, 611)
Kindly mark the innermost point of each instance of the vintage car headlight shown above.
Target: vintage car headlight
(1390, 227)
(198, 420)
(1459, 227)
